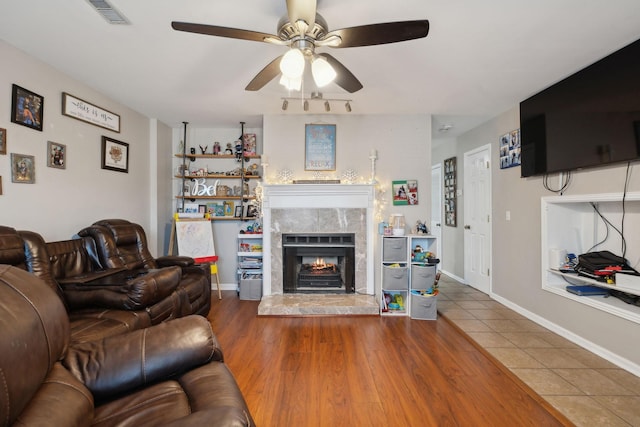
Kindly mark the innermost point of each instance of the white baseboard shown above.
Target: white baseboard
(576, 339)
(454, 277)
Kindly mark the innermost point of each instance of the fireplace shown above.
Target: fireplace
(318, 263)
(314, 209)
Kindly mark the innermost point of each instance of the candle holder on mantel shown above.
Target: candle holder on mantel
(373, 156)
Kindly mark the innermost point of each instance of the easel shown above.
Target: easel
(209, 258)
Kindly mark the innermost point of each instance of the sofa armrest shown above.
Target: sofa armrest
(122, 363)
(123, 293)
(169, 260)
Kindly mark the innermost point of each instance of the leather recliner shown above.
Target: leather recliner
(122, 244)
(94, 311)
(171, 374)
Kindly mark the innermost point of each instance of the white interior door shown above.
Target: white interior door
(435, 228)
(477, 218)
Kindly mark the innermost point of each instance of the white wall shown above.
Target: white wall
(516, 269)
(62, 201)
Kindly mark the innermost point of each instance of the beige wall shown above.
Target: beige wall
(62, 201)
(516, 251)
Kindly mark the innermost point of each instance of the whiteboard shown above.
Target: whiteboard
(195, 239)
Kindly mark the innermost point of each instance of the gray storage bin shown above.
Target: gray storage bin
(395, 278)
(422, 277)
(394, 249)
(424, 307)
(251, 289)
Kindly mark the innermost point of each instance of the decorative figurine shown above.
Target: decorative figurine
(204, 150)
(238, 150)
(228, 150)
(421, 228)
(216, 148)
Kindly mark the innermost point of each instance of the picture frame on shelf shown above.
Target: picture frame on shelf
(26, 108)
(252, 211)
(238, 212)
(115, 155)
(23, 168)
(320, 147)
(3, 141)
(56, 155)
(228, 207)
(79, 109)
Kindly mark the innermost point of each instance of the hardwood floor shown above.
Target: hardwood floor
(367, 371)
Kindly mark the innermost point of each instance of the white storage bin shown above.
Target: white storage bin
(251, 289)
(424, 307)
(422, 277)
(394, 249)
(395, 278)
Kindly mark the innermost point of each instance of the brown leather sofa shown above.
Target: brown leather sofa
(122, 244)
(171, 374)
(124, 301)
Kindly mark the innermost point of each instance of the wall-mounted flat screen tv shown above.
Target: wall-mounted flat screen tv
(591, 118)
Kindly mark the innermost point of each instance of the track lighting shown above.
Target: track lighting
(307, 103)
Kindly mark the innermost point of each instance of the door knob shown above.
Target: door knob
(467, 227)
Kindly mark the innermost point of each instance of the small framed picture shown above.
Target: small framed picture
(56, 155)
(115, 155)
(3, 141)
(0, 186)
(238, 212)
(23, 168)
(26, 108)
(252, 211)
(202, 209)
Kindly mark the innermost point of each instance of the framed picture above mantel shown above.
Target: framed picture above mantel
(82, 110)
(320, 147)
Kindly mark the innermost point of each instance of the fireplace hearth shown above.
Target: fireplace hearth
(318, 263)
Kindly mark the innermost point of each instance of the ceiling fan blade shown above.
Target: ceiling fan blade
(267, 74)
(344, 78)
(389, 32)
(214, 30)
(304, 10)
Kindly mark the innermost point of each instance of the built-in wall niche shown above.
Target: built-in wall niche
(572, 224)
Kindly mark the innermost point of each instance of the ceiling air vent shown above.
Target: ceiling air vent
(108, 12)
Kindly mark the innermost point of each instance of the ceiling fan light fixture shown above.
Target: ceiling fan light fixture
(292, 63)
(323, 72)
(291, 84)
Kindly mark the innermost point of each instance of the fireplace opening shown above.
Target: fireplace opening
(318, 263)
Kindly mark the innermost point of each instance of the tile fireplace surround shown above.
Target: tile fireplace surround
(318, 208)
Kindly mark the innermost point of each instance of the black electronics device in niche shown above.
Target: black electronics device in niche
(591, 118)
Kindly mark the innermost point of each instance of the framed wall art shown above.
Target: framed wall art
(115, 155)
(80, 109)
(23, 168)
(320, 147)
(510, 149)
(56, 155)
(405, 192)
(3, 141)
(450, 192)
(26, 108)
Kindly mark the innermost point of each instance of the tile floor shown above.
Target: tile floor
(587, 389)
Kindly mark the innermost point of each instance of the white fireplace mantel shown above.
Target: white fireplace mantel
(342, 197)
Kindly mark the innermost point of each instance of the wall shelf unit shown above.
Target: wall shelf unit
(571, 223)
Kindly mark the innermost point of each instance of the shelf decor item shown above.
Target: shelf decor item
(26, 108)
(320, 147)
(23, 168)
(82, 110)
(115, 155)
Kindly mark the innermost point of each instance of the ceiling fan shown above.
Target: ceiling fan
(302, 30)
